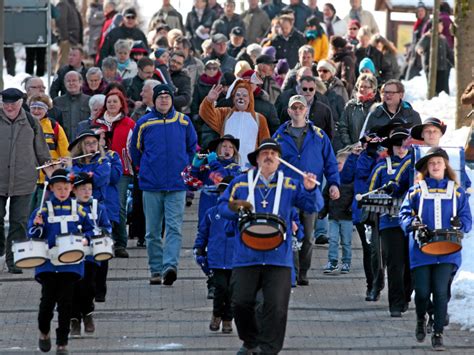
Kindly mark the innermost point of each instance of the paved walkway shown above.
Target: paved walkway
(329, 316)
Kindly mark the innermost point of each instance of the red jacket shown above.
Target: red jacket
(103, 33)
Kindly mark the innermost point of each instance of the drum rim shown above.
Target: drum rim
(253, 236)
(69, 251)
(44, 259)
(103, 253)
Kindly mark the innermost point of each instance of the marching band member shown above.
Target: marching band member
(85, 289)
(61, 215)
(394, 245)
(435, 202)
(267, 270)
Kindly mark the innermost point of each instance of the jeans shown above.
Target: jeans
(321, 227)
(340, 231)
(18, 217)
(275, 283)
(433, 279)
(170, 206)
(120, 230)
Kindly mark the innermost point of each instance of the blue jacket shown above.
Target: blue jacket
(100, 166)
(380, 177)
(112, 200)
(410, 208)
(293, 195)
(315, 156)
(209, 174)
(161, 147)
(357, 169)
(212, 234)
(102, 222)
(49, 231)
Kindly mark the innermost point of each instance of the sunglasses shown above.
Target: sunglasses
(212, 68)
(130, 17)
(323, 71)
(308, 89)
(353, 29)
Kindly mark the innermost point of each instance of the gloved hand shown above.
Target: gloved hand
(389, 188)
(198, 252)
(456, 222)
(416, 224)
(211, 157)
(296, 244)
(372, 150)
(197, 162)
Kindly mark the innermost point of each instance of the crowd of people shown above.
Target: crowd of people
(282, 117)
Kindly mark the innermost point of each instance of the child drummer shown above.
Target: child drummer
(85, 289)
(60, 215)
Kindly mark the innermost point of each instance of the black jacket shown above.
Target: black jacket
(57, 87)
(227, 62)
(382, 66)
(224, 25)
(352, 120)
(340, 209)
(381, 116)
(234, 51)
(117, 33)
(345, 68)
(192, 23)
(182, 95)
(288, 48)
(133, 87)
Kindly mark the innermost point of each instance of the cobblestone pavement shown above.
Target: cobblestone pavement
(329, 316)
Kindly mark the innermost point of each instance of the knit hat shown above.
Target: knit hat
(159, 52)
(367, 63)
(139, 47)
(328, 65)
(338, 42)
(162, 89)
(282, 67)
(270, 51)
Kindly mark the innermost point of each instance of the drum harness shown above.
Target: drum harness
(437, 197)
(93, 216)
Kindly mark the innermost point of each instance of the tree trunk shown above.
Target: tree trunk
(464, 56)
(433, 73)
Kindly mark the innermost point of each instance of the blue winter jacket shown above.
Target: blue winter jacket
(49, 231)
(380, 177)
(161, 147)
(112, 201)
(208, 174)
(293, 195)
(100, 167)
(315, 156)
(409, 209)
(212, 234)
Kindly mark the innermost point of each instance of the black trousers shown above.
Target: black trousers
(395, 254)
(84, 292)
(365, 254)
(304, 255)
(433, 279)
(57, 289)
(101, 279)
(222, 295)
(377, 262)
(275, 283)
(10, 59)
(37, 55)
(137, 221)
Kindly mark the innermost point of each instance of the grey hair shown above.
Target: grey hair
(109, 63)
(369, 78)
(151, 83)
(73, 72)
(254, 49)
(124, 44)
(94, 71)
(306, 48)
(96, 99)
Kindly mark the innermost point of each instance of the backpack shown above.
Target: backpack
(34, 126)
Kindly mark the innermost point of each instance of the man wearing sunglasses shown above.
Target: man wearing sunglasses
(128, 29)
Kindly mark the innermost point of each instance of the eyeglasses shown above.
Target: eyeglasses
(176, 62)
(130, 17)
(38, 87)
(324, 71)
(308, 89)
(390, 92)
(212, 68)
(365, 87)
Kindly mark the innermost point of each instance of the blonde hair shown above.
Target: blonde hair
(78, 150)
(364, 31)
(41, 98)
(236, 155)
(241, 67)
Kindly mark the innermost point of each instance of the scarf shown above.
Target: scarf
(211, 80)
(418, 23)
(109, 120)
(365, 98)
(122, 66)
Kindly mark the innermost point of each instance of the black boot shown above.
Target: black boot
(420, 332)
(373, 295)
(437, 342)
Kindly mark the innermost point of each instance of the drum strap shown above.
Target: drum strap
(94, 216)
(63, 220)
(390, 170)
(251, 196)
(276, 203)
(437, 197)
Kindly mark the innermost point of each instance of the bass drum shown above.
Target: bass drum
(262, 231)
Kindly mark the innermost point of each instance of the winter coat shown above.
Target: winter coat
(302, 12)
(88, 91)
(273, 8)
(290, 79)
(256, 23)
(129, 71)
(366, 19)
(382, 67)
(315, 155)
(392, 62)
(340, 209)
(69, 23)
(182, 95)
(74, 109)
(224, 25)
(117, 33)
(112, 201)
(161, 147)
(339, 26)
(227, 62)
(193, 22)
(271, 88)
(49, 231)
(57, 86)
(410, 208)
(170, 16)
(194, 67)
(381, 116)
(337, 97)
(95, 20)
(22, 148)
(320, 46)
(345, 68)
(287, 48)
(445, 53)
(100, 168)
(352, 120)
(212, 235)
(106, 28)
(293, 194)
(133, 87)
(414, 64)
(445, 18)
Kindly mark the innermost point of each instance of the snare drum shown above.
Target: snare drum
(262, 231)
(70, 248)
(443, 242)
(30, 253)
(102, 248)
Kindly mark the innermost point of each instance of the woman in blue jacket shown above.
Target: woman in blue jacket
(439, 187)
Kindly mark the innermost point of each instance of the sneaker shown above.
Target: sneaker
(437, 342)
(226, 326)
(396, 314)
(75, 327)
(330, 268)
(169, 276)
(155, 279)
(345, 268)
(62, 350)
(215, 323)
(420, 332)
(121, 253)
(141, 244)
(302, 279)
(44, 344)
(89, 326)
(321, 239)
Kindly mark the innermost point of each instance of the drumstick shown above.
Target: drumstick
(42, 198)
(295, 169)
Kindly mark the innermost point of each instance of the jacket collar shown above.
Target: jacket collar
(160, 115)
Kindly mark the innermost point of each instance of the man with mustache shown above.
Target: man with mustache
(307, 147)
(269, 269)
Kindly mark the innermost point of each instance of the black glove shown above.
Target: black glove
(416, 224)
(198, 252)
(389, 188)
(456, 222)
